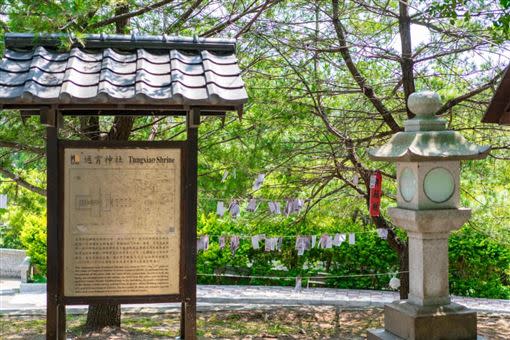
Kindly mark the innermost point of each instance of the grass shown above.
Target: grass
(282, 322)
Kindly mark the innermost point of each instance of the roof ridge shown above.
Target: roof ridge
(130, 42)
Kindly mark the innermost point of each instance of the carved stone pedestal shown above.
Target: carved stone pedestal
(428, 314)
(405, 320)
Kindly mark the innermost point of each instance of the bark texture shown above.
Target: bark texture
(102, 315)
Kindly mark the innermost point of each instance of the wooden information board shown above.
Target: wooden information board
(122, 221)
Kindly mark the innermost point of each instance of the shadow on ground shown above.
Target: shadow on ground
(325, 322)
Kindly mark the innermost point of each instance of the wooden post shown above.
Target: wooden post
(55, 310)
(189, 305)
(61, 318)
(183, 313)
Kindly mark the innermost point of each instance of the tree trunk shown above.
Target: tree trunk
(403, 257)
(102, 315)
(401, 247)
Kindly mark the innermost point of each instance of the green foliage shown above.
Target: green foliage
(369, 255)
(39, 278)
(468, 10)
(23, 204)
(479, 265)
(33, 238)
(25, 220)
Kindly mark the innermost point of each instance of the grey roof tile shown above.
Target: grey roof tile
(190, 69)
(128, 57)
(181, 91)
(13, 79)
(187, 80)
(225, 82)
(33, 91)
(156, 69)
(18, 55)
(120, 80)
(185, 57)
(145, 91)
(9, 92)
(163, 80)
(226, 94)
(77, 64)
(119, 67)
(47, 65)
(70, 90)
(154, 58)
(116, 92)
(15, 66)
(219, 59)
(224, 70)
(81, 79)
(46, 79)
(50, 55)
(95, 75)
(86, 56)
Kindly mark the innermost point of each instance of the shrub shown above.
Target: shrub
(479, 265)
(369, 255)
(33, 238)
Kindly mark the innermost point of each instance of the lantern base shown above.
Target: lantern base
(382, 334)
(405, 320)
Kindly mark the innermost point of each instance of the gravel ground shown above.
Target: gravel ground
(324, 322)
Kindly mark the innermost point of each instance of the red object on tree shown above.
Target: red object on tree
(375, 193)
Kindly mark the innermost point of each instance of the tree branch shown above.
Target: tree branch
(180, 21)
(21, 182)
(125, 16)
(406, 63)
(252, 21)
(455, 101)
(22, 147)
(221, 26)
(358, 77)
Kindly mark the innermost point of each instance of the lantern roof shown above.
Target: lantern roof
(426, 138)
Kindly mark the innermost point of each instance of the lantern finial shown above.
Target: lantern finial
(424, 103)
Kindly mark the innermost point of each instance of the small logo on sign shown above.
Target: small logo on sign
(75, 159)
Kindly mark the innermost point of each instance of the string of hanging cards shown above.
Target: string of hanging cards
(274, 243)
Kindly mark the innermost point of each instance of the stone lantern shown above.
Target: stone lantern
(428, 179)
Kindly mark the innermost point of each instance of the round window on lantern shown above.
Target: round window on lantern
(407, 184)
(439, 185)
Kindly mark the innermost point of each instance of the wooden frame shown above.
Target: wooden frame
(56, 301)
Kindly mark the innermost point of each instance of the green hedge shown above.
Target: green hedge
(479, 266)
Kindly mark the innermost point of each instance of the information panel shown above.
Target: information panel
(121, 221)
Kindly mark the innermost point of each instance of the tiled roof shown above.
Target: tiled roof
(136, 70)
